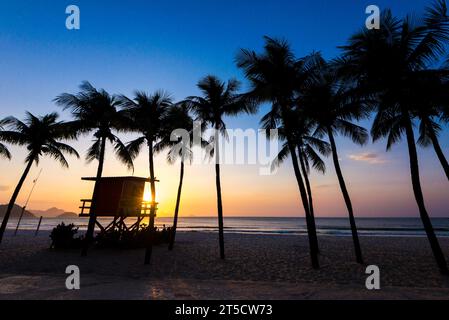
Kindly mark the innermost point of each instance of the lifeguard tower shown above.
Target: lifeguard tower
(118, 198)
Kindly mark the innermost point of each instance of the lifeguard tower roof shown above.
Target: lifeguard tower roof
(128, 178)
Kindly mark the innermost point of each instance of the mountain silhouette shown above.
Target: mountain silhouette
(49, 213)
(16, 211)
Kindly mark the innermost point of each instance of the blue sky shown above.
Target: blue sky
(147, 45)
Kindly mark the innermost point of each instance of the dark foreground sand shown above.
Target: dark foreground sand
(257, 267)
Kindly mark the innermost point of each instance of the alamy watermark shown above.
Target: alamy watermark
(373, 280)
(73, 281)
(73, 21)
(373, 20)
(229, 146)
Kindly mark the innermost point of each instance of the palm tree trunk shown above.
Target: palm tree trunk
(219, 201)
(344, 190)
(311, 231)
(178, 200)
(306, 180)
(309, 192)
(92, 215)
(439, 152)
(416, 183)
(14, 197)
(149, 249)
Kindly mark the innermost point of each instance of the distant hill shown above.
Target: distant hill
(68, 215)
(16, 211)
(49, 213)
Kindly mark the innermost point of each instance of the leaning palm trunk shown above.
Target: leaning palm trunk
(414, 170)
(311, 231)
(439, 152)
(178, 200)
(92, 215)
(306, 180)
(14, 197)
(149, 248)
(219, 201)
(309, 192)
(344, 191)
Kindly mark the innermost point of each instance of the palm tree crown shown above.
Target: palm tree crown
(147, 113)
(4, 152)
(96, 110)
(41, 136)
(218, 99)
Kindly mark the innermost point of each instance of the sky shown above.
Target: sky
(149, 45)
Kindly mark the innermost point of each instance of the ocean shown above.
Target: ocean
(273, 226)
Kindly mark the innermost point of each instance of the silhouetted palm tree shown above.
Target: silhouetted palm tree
(147, 114)
(275, 76)
(331, 105)
(179, 139)
(219, 99)
(306, 145)
(429, 114)
(4, 152)
(41, 136)
(96, 110)
(392, 63)
(307, 155)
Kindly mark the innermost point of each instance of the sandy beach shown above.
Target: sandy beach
(257, 267)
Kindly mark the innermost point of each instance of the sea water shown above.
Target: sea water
(274, 225)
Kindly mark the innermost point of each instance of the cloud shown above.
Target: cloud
(368, 157)
(4, 188)
(325, 186)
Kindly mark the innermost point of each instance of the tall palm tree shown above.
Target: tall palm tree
(96, 110)
(218, 100)
(147, 113)
(42, 137)
(275, 77)
(392, 62)
(307, 147)
(4, 152)
(179, 139)
(329, 103)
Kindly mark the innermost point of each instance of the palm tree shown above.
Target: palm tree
(218, 100)
(307, 155)
(4, 152)
(41, 136)
(329, 102)
(96, 110)
(179, 139)
(392, 62)
(306, 145)
(275, 77)
(147, 115)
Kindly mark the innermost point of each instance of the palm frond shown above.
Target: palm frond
(94, 151)
(123, 154)
(357, 134)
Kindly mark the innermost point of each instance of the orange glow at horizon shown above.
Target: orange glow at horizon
(376, 189)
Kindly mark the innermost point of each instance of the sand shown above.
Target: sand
(257, 267)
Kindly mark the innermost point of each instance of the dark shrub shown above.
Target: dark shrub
(63, 237)
(132, 239)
